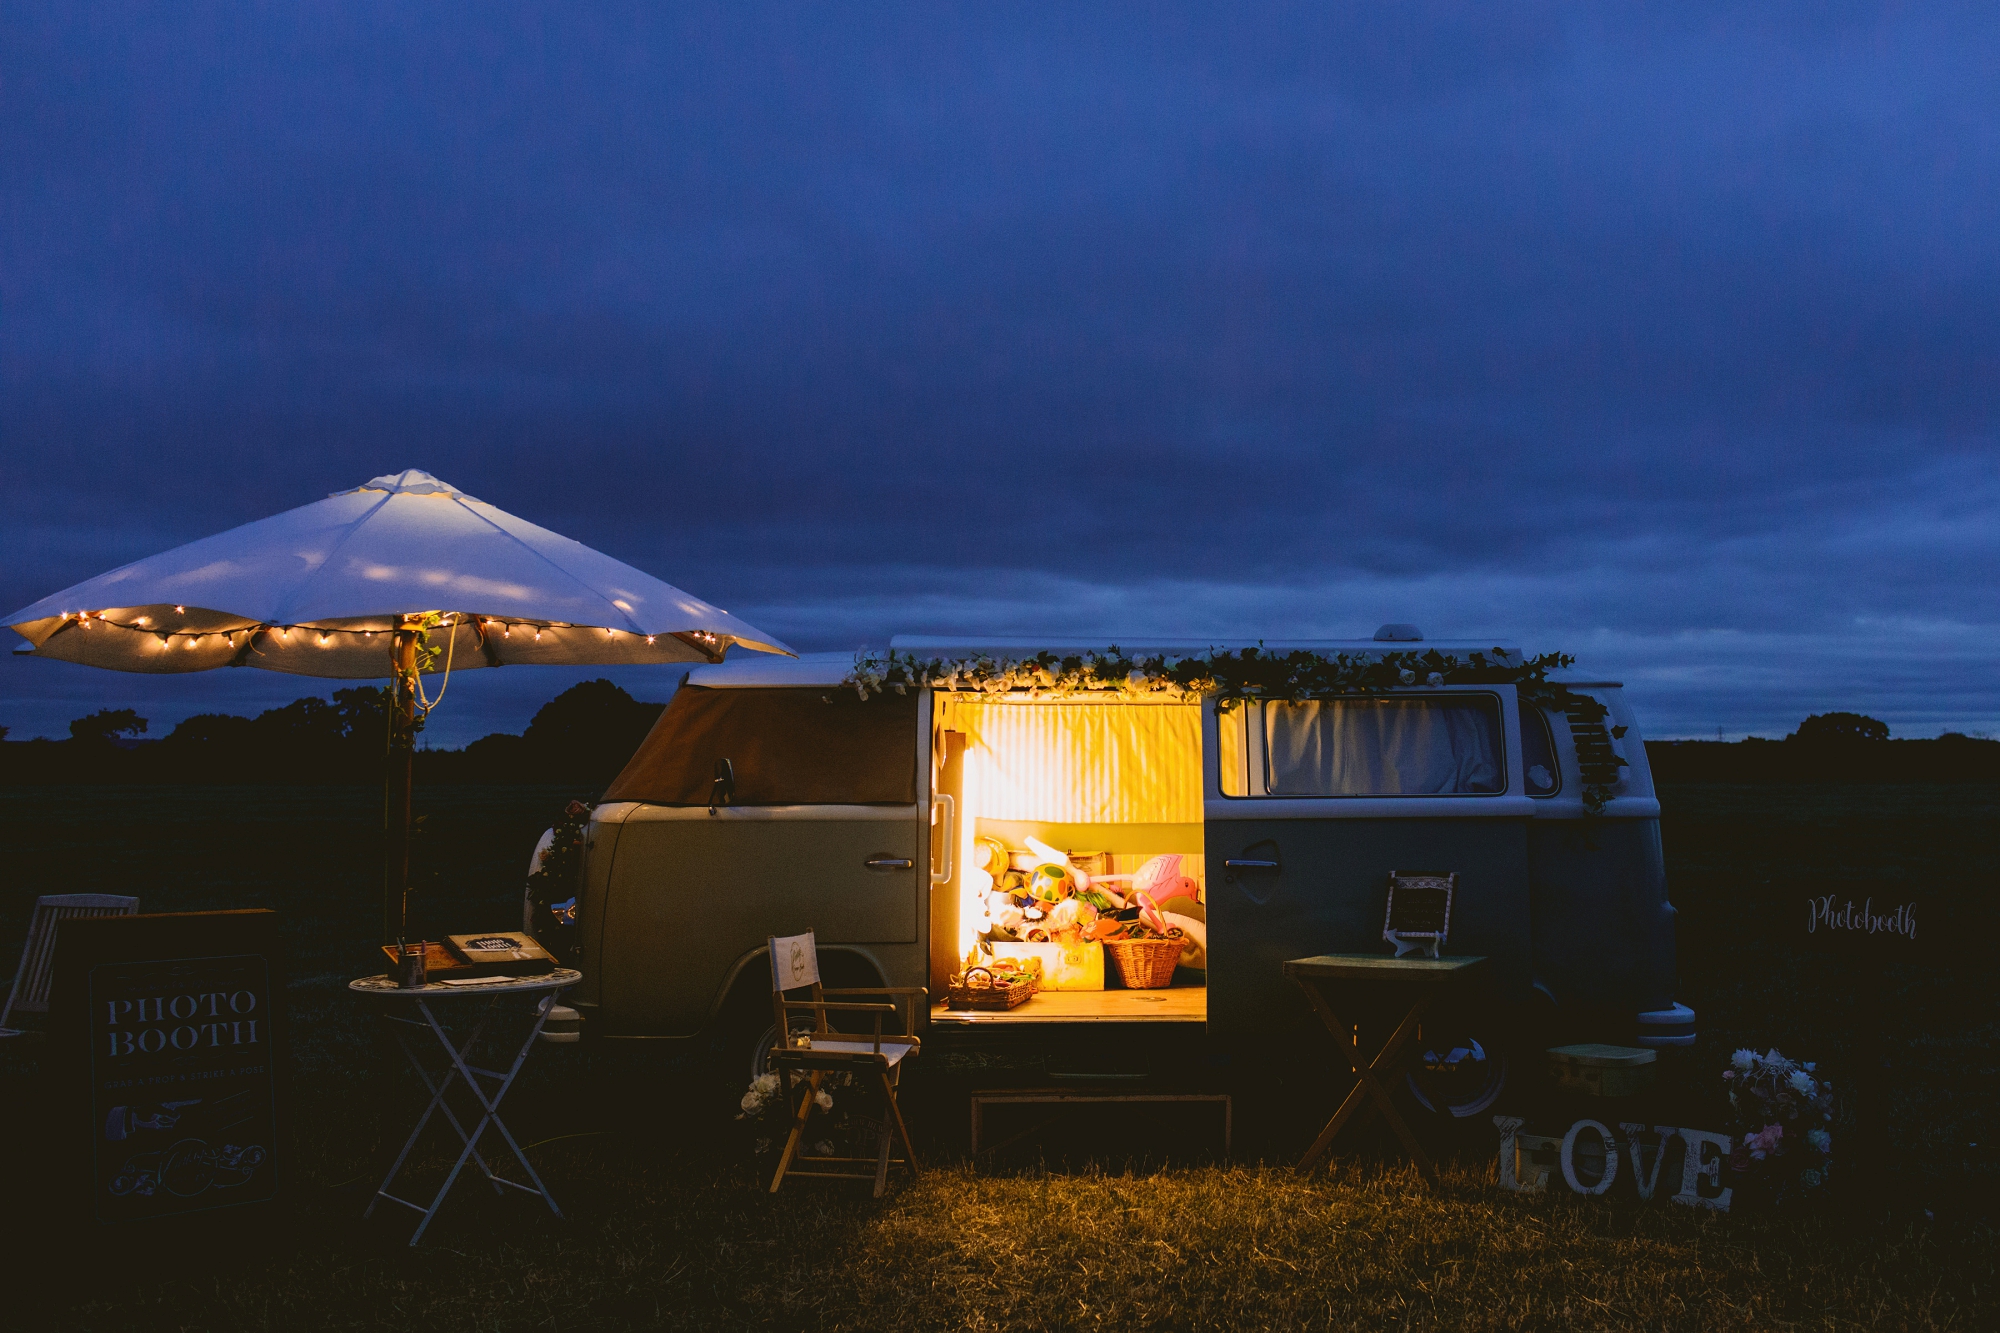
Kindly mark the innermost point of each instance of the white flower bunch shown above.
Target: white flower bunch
(762, 1089)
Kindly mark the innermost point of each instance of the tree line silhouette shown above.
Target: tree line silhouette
(584, 735)
(1829, 747)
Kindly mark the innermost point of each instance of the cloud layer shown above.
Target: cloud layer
(1665, 337)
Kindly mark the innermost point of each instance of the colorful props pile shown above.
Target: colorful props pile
(1056, 901)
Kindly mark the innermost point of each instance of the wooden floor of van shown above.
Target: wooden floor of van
(1178, 1004)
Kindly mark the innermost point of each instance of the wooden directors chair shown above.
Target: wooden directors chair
(812, 1055)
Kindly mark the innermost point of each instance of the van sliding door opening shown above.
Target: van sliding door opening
(1110, 787)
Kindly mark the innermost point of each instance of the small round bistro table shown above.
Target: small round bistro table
(425, 1002)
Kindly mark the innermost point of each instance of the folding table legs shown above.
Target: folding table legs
(489, 1108)
(1368, 1084)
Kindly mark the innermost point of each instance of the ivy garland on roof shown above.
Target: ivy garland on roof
(1244, 675)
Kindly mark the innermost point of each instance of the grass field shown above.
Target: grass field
(669, 1228)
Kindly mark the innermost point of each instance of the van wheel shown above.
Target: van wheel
(1458, 1077)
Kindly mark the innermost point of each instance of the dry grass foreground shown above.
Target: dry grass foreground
(1198, 1248)
(1269, 1249)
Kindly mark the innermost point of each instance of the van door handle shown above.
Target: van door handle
(888, 863)
(1250, 865)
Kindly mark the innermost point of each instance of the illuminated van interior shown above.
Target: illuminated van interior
(1113, 784)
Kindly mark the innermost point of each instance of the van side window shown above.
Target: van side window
(784, 747)
(1538, 752)
(1440, 746)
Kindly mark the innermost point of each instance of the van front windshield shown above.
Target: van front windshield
(1440, 746)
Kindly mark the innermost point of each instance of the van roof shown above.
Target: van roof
(810, 669)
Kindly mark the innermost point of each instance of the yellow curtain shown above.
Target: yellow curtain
(1080, 762)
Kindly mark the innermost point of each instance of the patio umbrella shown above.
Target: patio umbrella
(398, 575)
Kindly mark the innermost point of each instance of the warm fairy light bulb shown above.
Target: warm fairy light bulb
(193, 639)
(286, 634)
(649, 638)
(506, 631)
(323, 640)
(610, 633)
(140, 621)
(538, 636)
(182, 609)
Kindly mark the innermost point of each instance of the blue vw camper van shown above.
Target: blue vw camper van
(877, 822)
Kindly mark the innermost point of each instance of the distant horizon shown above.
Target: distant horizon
(492, 705)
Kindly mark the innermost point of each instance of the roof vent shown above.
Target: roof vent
(1399, 634)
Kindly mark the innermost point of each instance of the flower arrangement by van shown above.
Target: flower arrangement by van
(1784, 1111)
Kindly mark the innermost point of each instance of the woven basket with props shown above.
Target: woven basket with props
(1147, 964)
(978, 988)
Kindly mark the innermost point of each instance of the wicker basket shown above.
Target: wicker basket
(1146, 964)
(975, 989)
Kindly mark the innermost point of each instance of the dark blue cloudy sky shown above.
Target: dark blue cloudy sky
(1666, 335)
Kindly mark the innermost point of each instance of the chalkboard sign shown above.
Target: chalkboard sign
(171, 1028)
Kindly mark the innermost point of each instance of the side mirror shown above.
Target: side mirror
(722, 790)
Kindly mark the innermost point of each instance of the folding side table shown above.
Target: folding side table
(1344, 987)
(424, 1002)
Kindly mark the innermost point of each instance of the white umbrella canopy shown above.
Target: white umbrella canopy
(319, 591)
(347, 587)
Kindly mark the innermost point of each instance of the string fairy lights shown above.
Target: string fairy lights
(334, 637)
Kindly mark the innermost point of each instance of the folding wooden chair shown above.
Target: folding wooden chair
(873, 1057)
(30, 993)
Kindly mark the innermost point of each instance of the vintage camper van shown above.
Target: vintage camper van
(770, 799)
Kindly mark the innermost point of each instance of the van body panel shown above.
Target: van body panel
(691, 894)
(1603, 927)
(1328, 895)
(688, 899)
(600, 855)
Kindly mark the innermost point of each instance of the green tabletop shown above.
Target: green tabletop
(1375, 967)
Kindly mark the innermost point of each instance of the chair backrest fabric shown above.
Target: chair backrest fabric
(32, 979)
(794, 961)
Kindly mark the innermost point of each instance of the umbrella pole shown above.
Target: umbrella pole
(396, 791)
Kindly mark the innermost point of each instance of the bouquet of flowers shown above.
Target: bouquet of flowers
(766, 1113)
(1784, 1113)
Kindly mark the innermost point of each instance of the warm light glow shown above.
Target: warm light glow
(140, 621)
(538, 636)
(182, 609)
(324, 640)
(506, 631)
(193, 639)
(649, 638)
(286, 634)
